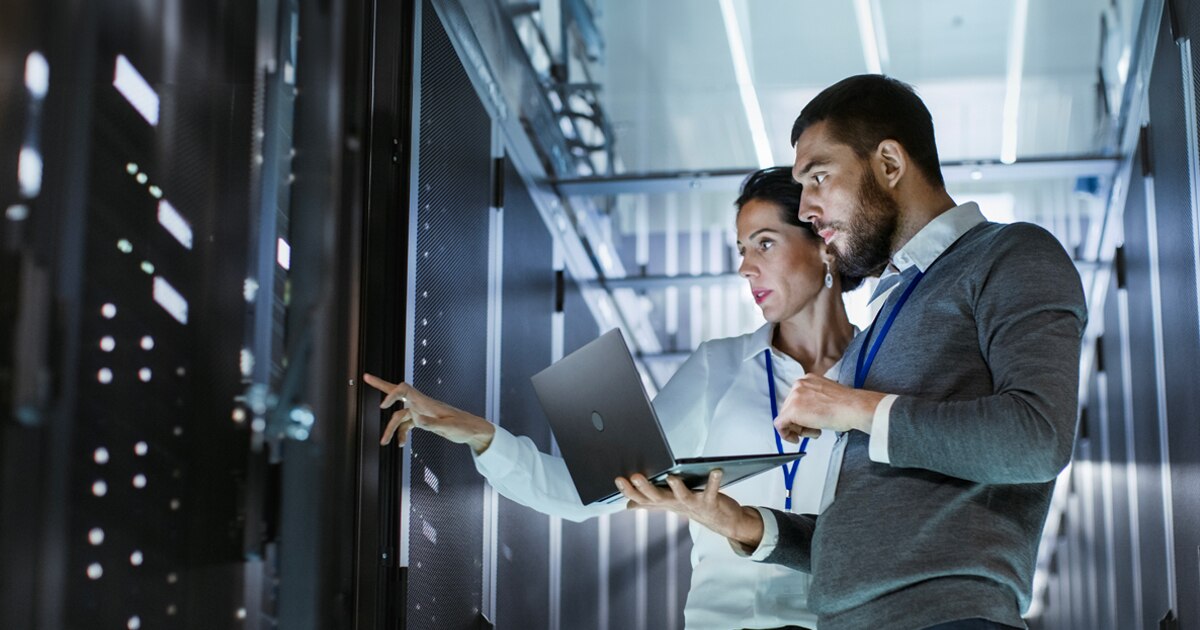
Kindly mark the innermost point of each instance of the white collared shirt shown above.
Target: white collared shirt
(717, 403)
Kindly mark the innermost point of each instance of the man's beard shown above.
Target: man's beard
(869, 233)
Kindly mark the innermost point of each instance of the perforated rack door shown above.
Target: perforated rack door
(450, 323)
(523, 551)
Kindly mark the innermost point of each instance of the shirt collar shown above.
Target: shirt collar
(759, 340)
(938, 235)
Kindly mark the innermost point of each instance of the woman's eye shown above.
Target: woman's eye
(766, 244)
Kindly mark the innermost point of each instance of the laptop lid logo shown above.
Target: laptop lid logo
(597, 421)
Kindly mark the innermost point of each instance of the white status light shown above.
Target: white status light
(136, 90)
(283, 254)
(169, 218)
(170, 299)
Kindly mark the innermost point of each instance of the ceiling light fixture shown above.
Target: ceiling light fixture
(1012, 91)
(741, 70)
(870, 32)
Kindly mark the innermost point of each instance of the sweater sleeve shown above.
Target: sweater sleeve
(1030, 316)
(793, 542)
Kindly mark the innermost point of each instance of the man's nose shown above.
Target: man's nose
(808, 211)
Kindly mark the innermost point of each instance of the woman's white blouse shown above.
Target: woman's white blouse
(717, 403)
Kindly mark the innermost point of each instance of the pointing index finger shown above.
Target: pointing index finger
(378, 383)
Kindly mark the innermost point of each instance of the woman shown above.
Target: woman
(717, 403)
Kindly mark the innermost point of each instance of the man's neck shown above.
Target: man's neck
(917, 211)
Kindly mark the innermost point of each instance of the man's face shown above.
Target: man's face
(855, 215)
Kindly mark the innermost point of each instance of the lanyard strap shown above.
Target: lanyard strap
(789, 472)
(861, 370)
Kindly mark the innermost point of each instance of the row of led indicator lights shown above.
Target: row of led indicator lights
(138, 92)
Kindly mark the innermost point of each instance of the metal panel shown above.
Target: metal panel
(658, 574)
(623, 571)
(1143, 405)
(1125, 556)
(523, 554)
(445, 550)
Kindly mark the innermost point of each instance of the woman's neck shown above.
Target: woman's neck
(817, 336)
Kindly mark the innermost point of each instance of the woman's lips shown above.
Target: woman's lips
(760, 295)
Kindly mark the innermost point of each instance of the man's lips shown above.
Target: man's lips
(826, 234)
(760, 295)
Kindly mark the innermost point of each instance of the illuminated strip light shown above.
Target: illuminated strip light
(873, 52)
(741, 70)
(169, 218)
(1012, 92)
(283, 254)
(170, 299)
(136, 90)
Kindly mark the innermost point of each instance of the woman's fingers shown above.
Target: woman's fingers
(399, 392)
(378, 383)
(399, 419)
(393, 391)
(682, 493)
(631, 492)
(713, 487)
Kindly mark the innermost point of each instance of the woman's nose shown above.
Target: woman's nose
(747, 269)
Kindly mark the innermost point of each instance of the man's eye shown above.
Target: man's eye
(820, 178)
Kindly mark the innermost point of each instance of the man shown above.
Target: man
(956, 410)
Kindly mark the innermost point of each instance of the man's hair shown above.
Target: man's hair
(867, 109)
(775, 185)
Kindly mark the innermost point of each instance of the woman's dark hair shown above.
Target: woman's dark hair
(775, 185)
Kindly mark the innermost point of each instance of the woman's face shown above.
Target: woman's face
(781, 262)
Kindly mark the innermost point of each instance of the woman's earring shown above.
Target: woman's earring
(828, 277)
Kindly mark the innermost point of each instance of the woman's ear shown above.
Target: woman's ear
(826, 255)
(891, 162)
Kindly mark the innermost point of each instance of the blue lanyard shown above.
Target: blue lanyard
(861, 370)
(789, 472)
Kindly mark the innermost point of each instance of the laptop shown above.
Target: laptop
(606, 427)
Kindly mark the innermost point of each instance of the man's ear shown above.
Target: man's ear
(891, 162)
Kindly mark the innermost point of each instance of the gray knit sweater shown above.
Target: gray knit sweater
(985, 358)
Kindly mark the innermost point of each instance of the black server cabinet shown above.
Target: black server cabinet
(138, 467)
(1169, 155)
